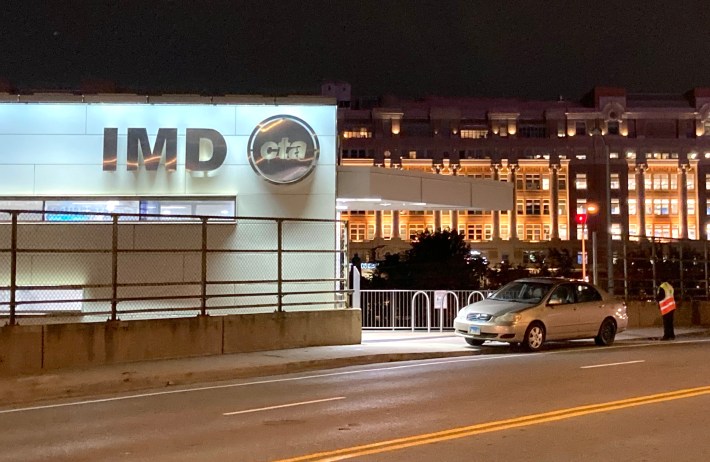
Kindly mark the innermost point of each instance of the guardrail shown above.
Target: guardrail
(414, 309)
(100, 266)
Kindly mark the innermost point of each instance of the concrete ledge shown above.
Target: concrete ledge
(688, 313)
(35, 349)
(278, 331)
(20, 349)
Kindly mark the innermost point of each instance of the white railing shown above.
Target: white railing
(414, 309)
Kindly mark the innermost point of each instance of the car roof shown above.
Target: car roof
(548, 280)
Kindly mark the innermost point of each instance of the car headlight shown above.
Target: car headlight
(510, 318)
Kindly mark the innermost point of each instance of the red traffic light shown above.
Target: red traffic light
(581, 218)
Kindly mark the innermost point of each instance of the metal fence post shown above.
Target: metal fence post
(279, 237)
(13, 268)
(653, 264)
(682, 287)
(705, 251)
(625, 241)
(203, 280)
(114, 269)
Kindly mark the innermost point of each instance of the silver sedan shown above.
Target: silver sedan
(533, 310)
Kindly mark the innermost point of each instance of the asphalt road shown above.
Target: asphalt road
(574, 401)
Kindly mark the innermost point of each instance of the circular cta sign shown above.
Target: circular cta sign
(283, 149)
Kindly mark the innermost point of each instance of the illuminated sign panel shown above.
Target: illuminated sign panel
(283, 149)
(275, 159)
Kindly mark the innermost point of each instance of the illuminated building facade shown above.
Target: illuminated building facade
(643, 161)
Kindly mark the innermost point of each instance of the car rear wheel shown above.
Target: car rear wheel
(607, 333)
(534, 337)
(474, 342)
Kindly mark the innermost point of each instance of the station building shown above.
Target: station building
(641, 162)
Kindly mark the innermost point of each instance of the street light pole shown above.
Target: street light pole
(607, 192)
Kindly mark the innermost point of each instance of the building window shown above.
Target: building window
(562, 183)
(661, 207)
(488, 232)
(474, 233)
(632, 207)
(532, 182)
(562, 207)
(361, 133)
(580, 128)
(387, 231)
(546, 207)
(614, 181)
(674, 182)
(532, 131)
(632, 182)
(707, 206)
(475, 134)
(691, 206)
(519, 206)
(532, 207)
(545, 182)
(616, 231)
(690, 183)
(415, 230)
(648, 182)
(613, 127)
(660, 181)
(563, 232)
(615, 207)
(581, 205)
(580, 181)
(370, 232)
(357, 232)
(519, 181)
(505, 232)
(533, 233)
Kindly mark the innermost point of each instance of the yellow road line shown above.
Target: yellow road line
(461, 432)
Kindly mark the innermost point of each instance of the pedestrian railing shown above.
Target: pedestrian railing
(90, 267)
(414, 309)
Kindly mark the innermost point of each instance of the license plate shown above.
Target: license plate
(474, 330)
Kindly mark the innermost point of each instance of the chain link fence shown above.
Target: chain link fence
(641, 264)
(93, 267)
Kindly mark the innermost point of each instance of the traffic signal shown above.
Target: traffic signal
(581, 218)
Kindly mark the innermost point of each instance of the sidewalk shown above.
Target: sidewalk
(376, 347)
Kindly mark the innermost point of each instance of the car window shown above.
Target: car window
(563, 294)
(524, 292)
(587, 293)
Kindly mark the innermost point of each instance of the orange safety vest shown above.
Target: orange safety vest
(668, 303)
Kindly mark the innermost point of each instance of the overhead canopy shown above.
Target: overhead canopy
(377, 188)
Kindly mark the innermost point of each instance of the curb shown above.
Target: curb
(26, 389)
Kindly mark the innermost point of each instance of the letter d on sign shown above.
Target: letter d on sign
(192, 149)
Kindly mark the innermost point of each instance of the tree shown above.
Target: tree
(439, 260)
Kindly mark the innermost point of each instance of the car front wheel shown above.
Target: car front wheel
(474, 342)
(534, 337)
(607, 333)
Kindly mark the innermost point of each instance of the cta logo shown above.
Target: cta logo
(283, 149)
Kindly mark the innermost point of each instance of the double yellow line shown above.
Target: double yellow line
(462, 432)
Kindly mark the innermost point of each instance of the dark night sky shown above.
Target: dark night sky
(517, 48)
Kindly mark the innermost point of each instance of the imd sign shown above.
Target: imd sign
(282, 149)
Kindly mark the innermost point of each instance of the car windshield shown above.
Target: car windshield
(523, 292)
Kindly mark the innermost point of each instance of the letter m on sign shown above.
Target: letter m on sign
(165, 142)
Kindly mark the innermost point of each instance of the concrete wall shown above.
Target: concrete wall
(34, 349)
(647, 314)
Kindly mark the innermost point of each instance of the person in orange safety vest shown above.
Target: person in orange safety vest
(666, 303)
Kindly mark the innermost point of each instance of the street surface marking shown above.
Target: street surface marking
(614, 364)
(423, 363)
(487, 427)
(284, 405)
(263, 382)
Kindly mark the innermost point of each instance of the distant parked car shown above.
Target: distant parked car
(531, 311)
